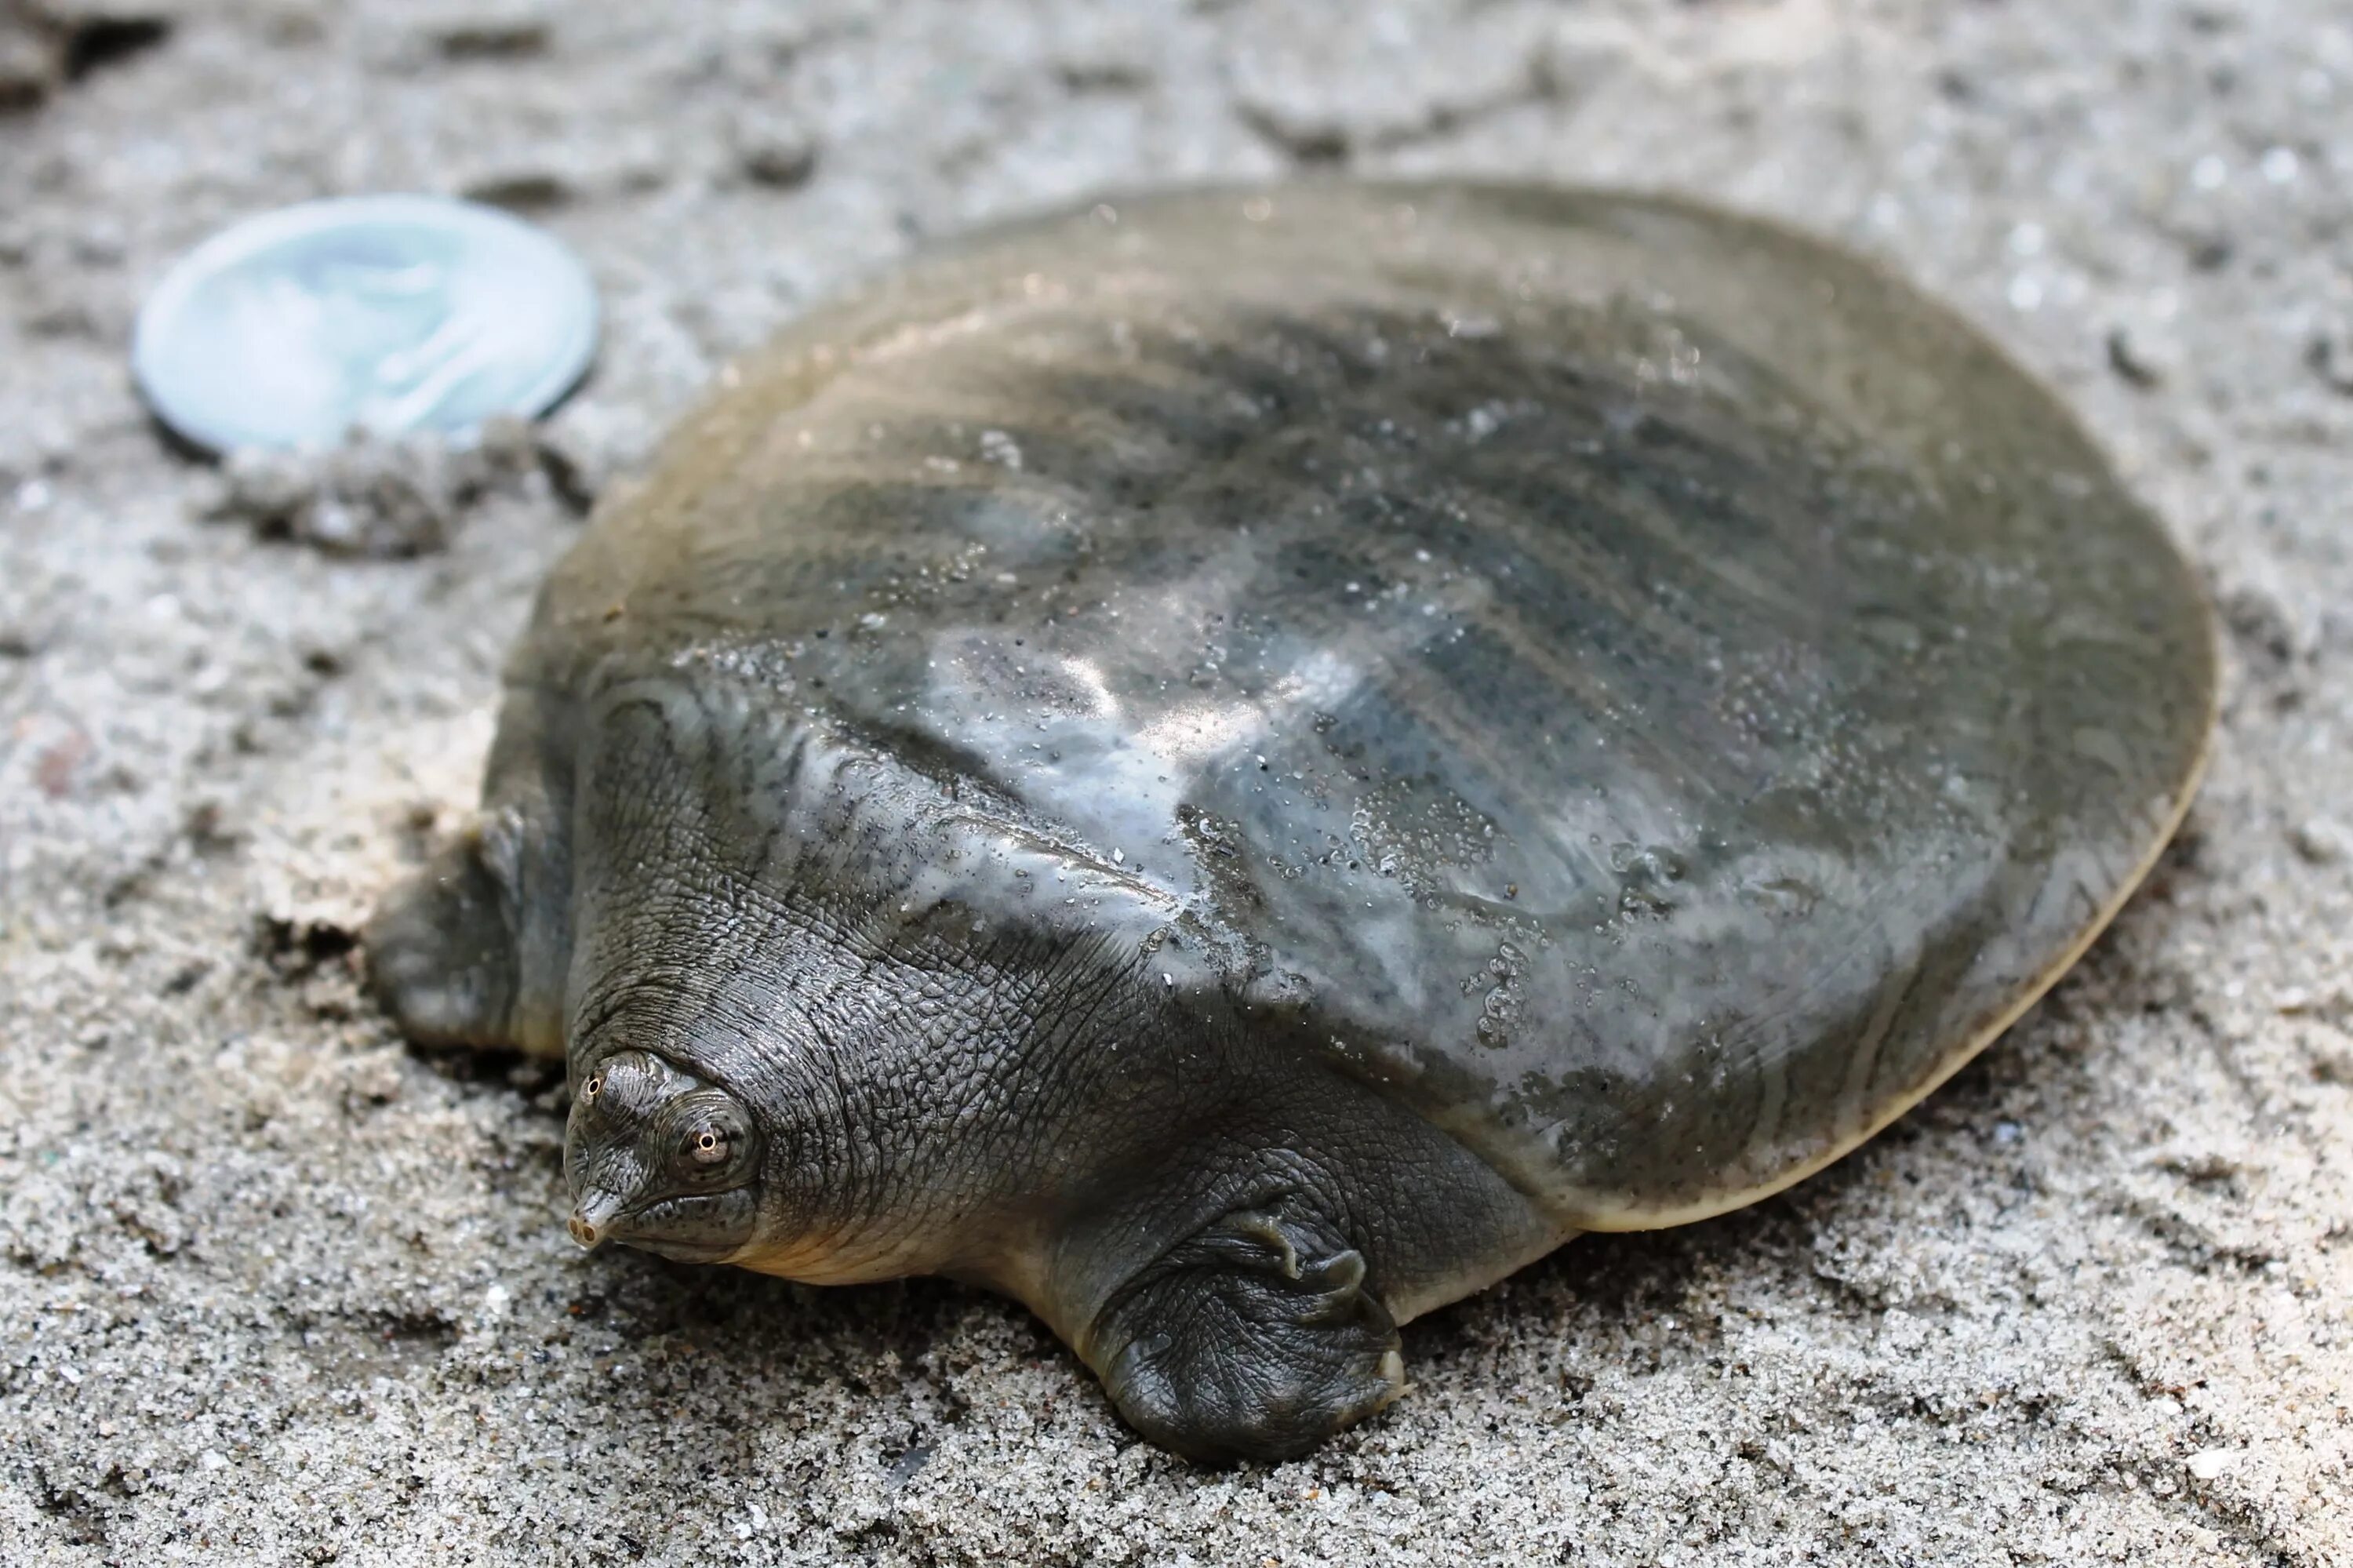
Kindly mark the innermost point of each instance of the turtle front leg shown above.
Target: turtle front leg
(442, 956)
(471, 950)
(1255, 1337)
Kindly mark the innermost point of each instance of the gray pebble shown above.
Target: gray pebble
(32, 60)
(772, 148)
(2264, 624)
(2143, 355)
(2331, 357)
(264, 487)
(2321, 841)
(489, 32)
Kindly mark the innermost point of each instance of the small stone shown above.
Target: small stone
(771, 149)
(101, 32)
(373, 1083)
(574, 471)
(1105, 48)
(1583, 53)
(489, 32)
(2143, 355)
(32, 60)
(523, 187)
(2331, 357)
(2321, 841)
(505, 446)
(2209, 1462)
(2264, 623)
(265, 488)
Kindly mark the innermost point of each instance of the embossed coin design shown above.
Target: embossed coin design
(386, 314)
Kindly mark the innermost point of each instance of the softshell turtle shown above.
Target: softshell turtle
(1237, 765)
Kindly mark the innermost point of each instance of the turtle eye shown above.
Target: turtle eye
(593, 1088)
(712, 1141)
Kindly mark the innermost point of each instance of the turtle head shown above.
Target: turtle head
(660, 1159)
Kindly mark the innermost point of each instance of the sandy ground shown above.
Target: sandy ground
(274, 1289)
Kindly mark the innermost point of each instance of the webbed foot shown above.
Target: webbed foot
(1254, 1338)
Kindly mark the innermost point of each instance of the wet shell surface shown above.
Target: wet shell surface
(1644, 689)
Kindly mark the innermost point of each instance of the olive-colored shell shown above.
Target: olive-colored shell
(1646, 688)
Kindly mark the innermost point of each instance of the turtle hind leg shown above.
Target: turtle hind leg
(442, 955)
(1255, 1337)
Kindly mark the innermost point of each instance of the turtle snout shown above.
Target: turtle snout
(593, 1217)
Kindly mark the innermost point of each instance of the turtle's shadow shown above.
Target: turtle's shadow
(821, 1330)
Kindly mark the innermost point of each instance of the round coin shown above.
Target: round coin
(384, 313)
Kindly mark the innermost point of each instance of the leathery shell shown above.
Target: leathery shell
(1647, 688)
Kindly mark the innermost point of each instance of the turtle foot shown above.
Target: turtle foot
(1254, 1338)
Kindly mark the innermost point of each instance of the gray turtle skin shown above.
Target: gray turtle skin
(1237, 765)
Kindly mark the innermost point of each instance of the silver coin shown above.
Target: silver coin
(386, 314)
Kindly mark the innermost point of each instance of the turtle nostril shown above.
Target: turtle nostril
(592, 1219)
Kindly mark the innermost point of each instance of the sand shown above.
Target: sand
(275, 1288)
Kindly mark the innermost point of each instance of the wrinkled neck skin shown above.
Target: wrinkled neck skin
(824, 932)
